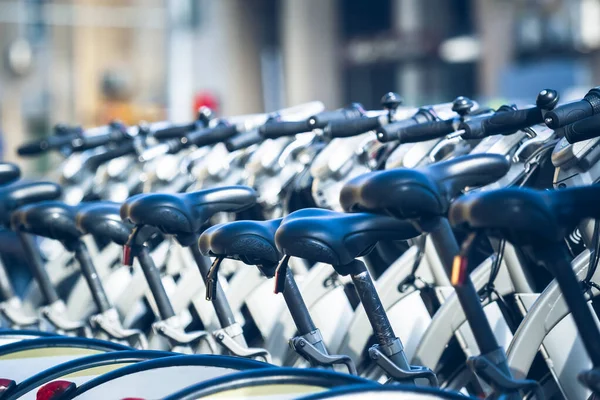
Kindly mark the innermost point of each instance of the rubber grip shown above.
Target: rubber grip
(46, 144)
(351, 127)
(274, 130)
(122, 149)
(583, 130)
(568, 114)
(208, 136)
(175, 131)
(508, 122)
(90, 142)
(243, 140)
(321, 120)
(501, 123)
(425, 131)
(390, 132)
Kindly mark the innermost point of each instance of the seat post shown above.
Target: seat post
(88, 270)
(152, 275)
(556, 261)
(445, 244)
(386, 338)
(36, 265)
(220, 302)
(295, 303)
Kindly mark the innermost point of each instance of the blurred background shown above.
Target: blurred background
(89, 61)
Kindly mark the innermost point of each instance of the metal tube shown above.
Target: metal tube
(88, 271)
(295, 303)
(38, 270)
(445, 244)
(152, 274)
(378, 317)
(220, 302)
(557, 262)
(373, 307)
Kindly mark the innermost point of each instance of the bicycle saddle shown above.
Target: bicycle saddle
(183, 214)
(337, 238)
(526, 216)
(51, 219)
(9, 173)
(20, 194)
(103, 219)
(252, 242)
(423, 192)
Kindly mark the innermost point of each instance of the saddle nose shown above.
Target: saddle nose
(184, 214)
(421, 193)
(103, 219)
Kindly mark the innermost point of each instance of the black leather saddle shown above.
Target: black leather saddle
(103, 219)
(526, 216)
(51, 219)
(183, 214)
(21, 193)
(424, 192)
(252, 242)
(337, 238)
(9, 173)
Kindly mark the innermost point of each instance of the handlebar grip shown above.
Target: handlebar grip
(208, 136)
(351, 127)
(277, 129)
(175, 131)
(583, 130)
(243, 140)
(508, 122)
(568, 114)
(392, 131)
(425, 131)
(321, 119)
(44, 145)
(98, 159)
(501, 123)
(90, 142)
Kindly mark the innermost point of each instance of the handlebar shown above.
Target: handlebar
(505, 121)
(398, 130)
(572, 112)
(351, 127)
(277, 129)
(582, 130)
(243, 140)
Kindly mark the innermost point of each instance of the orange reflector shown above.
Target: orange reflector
(459, 270)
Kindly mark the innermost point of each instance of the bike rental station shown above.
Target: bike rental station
(446, 250)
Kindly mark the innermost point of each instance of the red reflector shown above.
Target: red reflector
(127, 257)
(53, 389)
(6, 384)
(459, 270)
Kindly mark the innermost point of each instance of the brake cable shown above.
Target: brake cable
(532, 163)
(587, 282)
